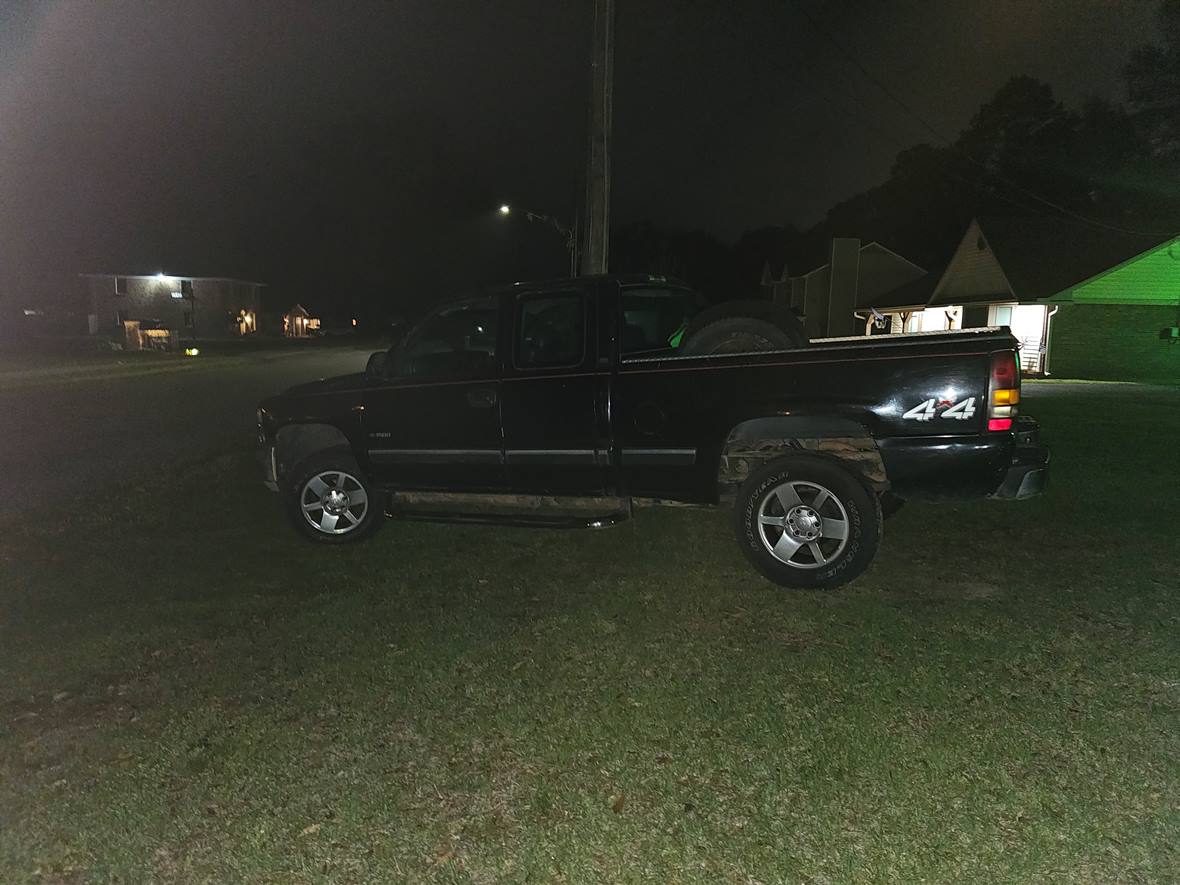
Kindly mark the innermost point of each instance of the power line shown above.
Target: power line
(867, 73)
(827, 35)
(869, 123)
(815, 89)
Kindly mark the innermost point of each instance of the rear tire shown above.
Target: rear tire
(331, 501)
(806, 522)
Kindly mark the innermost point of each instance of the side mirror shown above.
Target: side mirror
(375, 367)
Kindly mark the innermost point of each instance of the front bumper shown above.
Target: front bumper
(266, 461)
(1028, 474)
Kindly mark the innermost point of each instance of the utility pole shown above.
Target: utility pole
(596, 229)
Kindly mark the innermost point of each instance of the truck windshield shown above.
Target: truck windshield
(654, 318)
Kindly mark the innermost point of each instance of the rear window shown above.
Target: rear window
(551, 330)
(654, 318)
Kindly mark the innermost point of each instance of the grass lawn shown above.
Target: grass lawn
(188, 692)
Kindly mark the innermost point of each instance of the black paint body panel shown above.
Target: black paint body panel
(658, 427)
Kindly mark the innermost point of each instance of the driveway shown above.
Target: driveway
(1032, 390)
(116, 434)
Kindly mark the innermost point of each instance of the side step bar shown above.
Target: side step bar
(540, 511)
(598, 522)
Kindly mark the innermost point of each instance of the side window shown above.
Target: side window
(458, 341)
(550, 330)
(654, 319)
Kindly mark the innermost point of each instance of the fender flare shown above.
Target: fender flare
(298, 441)
(756, 440)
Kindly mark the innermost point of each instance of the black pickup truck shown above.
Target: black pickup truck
(572, 402)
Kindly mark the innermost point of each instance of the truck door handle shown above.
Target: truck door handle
(481, 397)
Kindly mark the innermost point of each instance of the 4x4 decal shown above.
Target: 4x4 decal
(929, 409)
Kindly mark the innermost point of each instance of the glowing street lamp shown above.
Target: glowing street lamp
(570, 233)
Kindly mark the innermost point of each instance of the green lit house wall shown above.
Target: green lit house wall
(1151, 278)
(1114, 342)
(1109, 326)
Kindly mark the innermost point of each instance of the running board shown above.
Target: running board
(542, 522)
(503, 509)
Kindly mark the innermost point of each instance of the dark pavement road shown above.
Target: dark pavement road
(64, 441)
(67, 440)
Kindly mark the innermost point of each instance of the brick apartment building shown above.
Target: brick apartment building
(193, 307)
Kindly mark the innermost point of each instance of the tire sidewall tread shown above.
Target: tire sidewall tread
(718, 336)
(862, 507)
(338, 458)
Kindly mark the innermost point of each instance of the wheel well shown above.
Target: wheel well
(296, 442)
(742, 455)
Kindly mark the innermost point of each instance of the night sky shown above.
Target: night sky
(350, 151)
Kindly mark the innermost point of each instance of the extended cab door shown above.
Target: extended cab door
(655, 415)
(434, 421)
(554, 393)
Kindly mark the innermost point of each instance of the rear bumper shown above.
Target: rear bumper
(265, 456)
(1028, 473)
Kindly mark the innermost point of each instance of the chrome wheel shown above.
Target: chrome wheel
(333, 502)
(802, 524)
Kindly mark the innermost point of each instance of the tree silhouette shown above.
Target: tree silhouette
(1153, 86)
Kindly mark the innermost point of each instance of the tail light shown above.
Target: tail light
(1004, 394)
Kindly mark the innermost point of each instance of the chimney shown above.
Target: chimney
(845, 275)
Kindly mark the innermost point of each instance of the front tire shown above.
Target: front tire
(807, 522)
(331, 501)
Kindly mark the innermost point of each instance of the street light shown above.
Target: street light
(570, 233)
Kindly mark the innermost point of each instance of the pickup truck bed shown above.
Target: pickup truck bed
(835, 388)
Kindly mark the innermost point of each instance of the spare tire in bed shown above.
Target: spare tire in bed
(743, 327)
